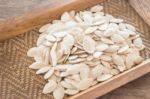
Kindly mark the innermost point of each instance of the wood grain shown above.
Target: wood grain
(143, 8)
(32, 19)
(10, 8)
(115, 82)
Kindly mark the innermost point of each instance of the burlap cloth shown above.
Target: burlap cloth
(17, 81)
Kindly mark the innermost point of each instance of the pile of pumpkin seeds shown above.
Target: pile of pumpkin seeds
(84, 48)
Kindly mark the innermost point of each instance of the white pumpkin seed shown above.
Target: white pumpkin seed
(44, 28)
(60, 34)
(107, 41)
(78, 60)
(96, 71)
(98, 13)
(65, 17)
(114, 71)
(112, 48)
(101, 47)
(124, 34)
(84, 72)
(138, 42)
(47, 43)
(36, 65)
(46, 56)
(85, 83)
(122, 26)
(90, 30)
(66, 85)
(74, 69)
(50, 38)
(41, 40)
(67, 43)
(123, 50)
(109, 32)
(106, 58)
(49, 87)
(64, 74)
(53, 55)
(83, 55)
(74, 49)
(87, 17)
(89, 44)
(99, 21)
(98, 33)
(129, 61)
(78, 18)
(114, 27)
(73, 57)
(118, 60)
(94, 82)
(92, 64)
(96, 8)
(59, 53)
(61, 67)
(105, 70)
(76, 77)
(89, 58)
(70, 24)
(79, 52)
(134, 37)
(72, 13)
(43, 70)
(138, 60)
(54, 78)
(59, 92)
(117, 38)
(72, 82)
(103, 27)
(132, 33)
(49, 73)
(116, 20)
(97, 54)
(104, 77)
(71, 91)
(106, 64)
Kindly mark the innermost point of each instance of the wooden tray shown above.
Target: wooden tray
(14, 62)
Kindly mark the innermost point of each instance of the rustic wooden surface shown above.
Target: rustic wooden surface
(138, 89)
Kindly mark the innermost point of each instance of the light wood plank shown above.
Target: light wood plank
(20, 24)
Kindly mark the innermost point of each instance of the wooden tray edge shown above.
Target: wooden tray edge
(29, 20)
(115, 82)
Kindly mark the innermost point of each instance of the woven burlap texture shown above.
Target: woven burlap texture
(17, 81)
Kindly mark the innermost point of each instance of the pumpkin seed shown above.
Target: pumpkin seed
(71, 91)
(49, 73)
(36, 65)
(85, 83)
(59, 92)
(49, 87)
(104, 77)
(96, 8)
(89, 44)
